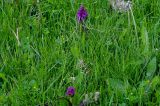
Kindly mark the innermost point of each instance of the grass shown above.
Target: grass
(41, 47)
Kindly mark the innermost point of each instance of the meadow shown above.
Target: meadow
(44, 50)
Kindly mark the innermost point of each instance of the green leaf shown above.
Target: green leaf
(151, 68)
(3, 80)
(155, 82)
(158, 95)
(72, 4)
(75, 51)
(145, 41)
(118, 85)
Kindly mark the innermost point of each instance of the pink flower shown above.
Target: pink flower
(70, 91)
(82, 14)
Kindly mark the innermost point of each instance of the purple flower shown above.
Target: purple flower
(70, 91)
(82, 14)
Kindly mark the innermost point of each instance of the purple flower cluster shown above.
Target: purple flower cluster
(70, 91)
(82, 14)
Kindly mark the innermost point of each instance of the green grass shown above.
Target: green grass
(120, 61)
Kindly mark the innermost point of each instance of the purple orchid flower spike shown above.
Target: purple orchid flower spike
(82, 14)
(70, 91)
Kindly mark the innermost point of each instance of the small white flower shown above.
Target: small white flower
(120, 5)
(91, 98)
(86, 101)
(96, 96)
(83, 66)
(80, 64)
(72, 79)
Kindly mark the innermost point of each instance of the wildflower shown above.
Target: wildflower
(86, 101)
(96, 96)
(83, 66)
(120, 5)
(70, 91)
(72, 79)
(82, 14)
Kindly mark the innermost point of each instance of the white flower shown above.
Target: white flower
(83, 66)
(86, 101)
(96, 96)
(72, 79)
(120, 5)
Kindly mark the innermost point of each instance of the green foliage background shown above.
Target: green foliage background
(122, 66)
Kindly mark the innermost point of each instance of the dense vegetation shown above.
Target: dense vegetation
(43, 48)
